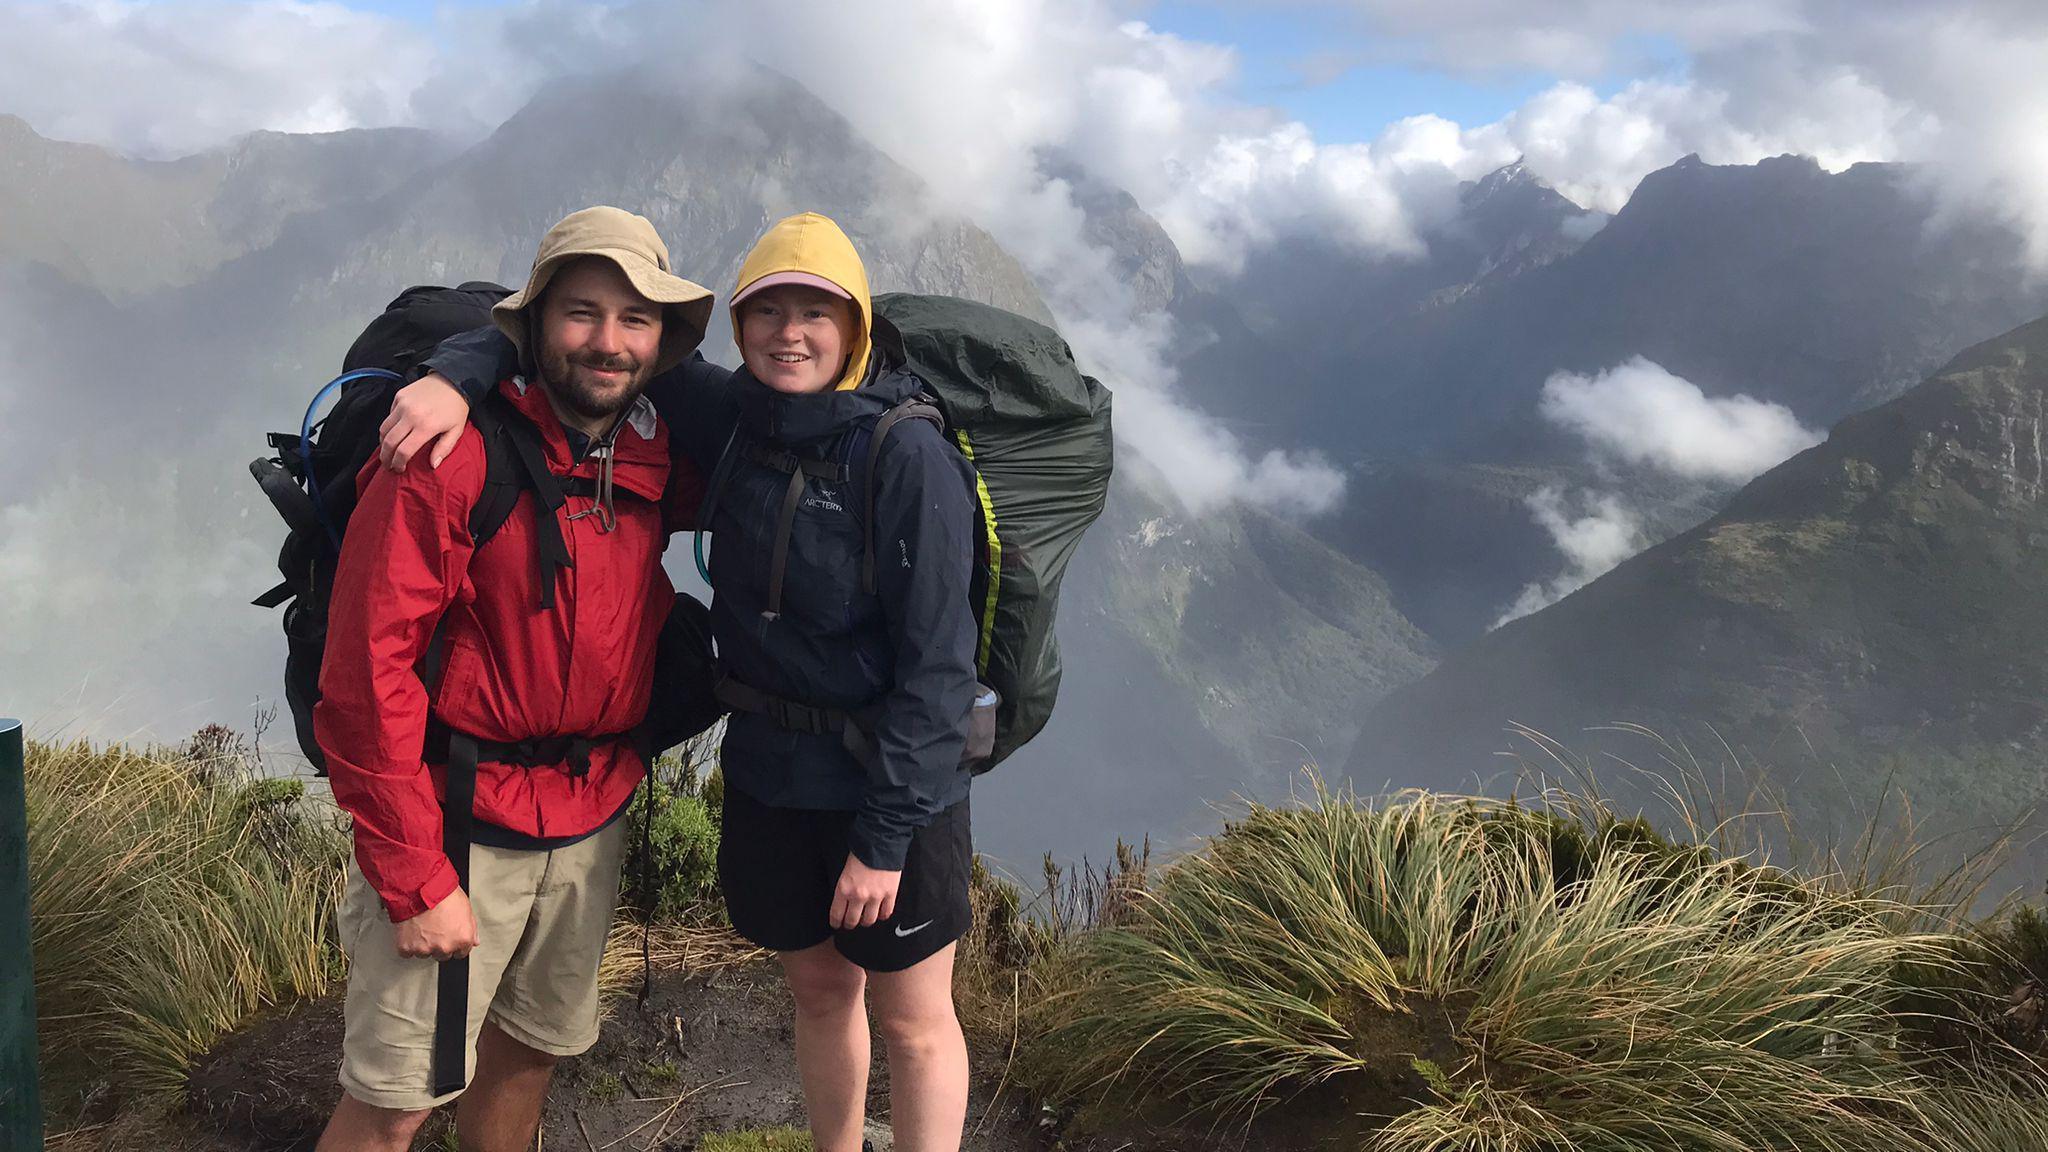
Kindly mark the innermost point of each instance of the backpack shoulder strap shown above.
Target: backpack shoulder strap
(918, 407)
(515, 462)
(721, 474)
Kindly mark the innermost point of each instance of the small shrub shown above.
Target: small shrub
(605, 1087)
(682, 869)
(1982, 1013)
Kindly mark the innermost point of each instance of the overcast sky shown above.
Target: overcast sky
(1231, 121)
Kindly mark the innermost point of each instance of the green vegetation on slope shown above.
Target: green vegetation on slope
(1869, 615)
(1272, 636)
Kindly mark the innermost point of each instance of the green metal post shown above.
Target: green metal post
(21, 1111)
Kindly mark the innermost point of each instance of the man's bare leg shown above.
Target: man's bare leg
(927, 1054)
(831, 1043)
(501, 1110)
(359, 1127)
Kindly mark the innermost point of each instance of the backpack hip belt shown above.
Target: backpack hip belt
(541, 752)
(855, 726)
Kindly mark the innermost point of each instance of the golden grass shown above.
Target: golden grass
(172, 894)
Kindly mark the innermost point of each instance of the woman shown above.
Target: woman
(845, 844)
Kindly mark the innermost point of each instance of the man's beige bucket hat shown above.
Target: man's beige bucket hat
(631, 243)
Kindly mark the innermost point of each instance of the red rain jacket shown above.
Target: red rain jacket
(512, 671)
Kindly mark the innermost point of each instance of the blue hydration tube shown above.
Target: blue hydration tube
(697, 549)
(306, 440)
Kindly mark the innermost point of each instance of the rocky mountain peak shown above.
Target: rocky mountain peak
(1514, 181)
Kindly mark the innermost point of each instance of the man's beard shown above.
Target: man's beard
(569, 378)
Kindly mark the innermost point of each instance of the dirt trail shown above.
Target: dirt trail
(707, 1053)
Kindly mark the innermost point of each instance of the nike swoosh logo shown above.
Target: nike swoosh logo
(902, 932)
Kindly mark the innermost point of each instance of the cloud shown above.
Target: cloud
(165, 80)
(127, 605)
(1640, 413)
(1959, 88)
(969, 93)
(1593, 541)
(1018, 78)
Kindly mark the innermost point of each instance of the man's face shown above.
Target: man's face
(599, 339)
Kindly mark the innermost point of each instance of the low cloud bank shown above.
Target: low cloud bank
(1639, 414)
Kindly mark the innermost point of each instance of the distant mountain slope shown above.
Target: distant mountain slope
(710, 169)
(1878, 603)
(1300, 310)
(1205, 657)
(130, 227)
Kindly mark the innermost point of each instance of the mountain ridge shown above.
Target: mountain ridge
(1876, 602)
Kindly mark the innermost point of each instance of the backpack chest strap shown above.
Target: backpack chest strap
(785, 461)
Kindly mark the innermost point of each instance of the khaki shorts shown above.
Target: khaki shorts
(542, 918)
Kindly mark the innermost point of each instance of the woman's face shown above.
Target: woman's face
(795, 338)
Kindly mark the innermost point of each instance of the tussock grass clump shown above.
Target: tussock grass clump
(172, 893)
(1464, 975)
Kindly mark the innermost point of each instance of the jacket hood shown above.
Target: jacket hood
(813, 244)
(803, 418)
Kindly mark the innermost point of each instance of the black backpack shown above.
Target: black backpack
(312, 478)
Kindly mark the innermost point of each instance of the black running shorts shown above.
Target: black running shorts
(779, 867)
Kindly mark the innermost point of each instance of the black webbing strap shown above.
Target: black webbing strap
(553, 552)
(785, 461)
(851, 727)
(721, 474)
(451, 999)
(295, 506)
(588, 488)
(915, 408)
(785, 523)
(540, 752)
(801, 469)
(784, 713)
(643, 742)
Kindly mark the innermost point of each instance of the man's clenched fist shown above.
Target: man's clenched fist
(443, 932)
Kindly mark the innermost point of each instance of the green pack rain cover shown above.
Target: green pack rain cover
(1038, 432)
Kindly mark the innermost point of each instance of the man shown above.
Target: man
(540, 648)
